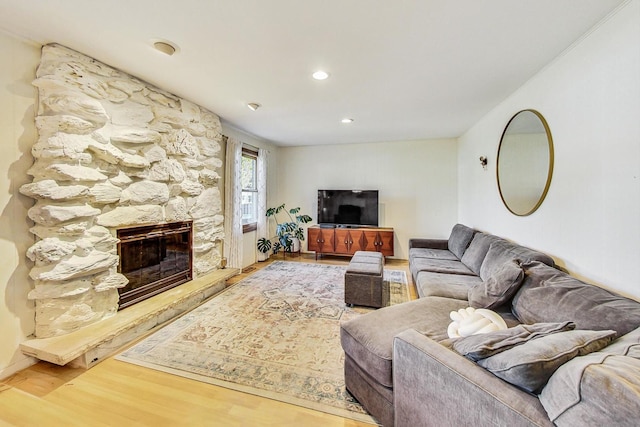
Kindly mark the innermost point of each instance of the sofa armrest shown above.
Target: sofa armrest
(433, 385)
(429, 243)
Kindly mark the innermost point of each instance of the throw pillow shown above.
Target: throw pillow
(530, 365)
(498, 288)
(476, 347)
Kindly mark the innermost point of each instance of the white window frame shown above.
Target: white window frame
(251, 226)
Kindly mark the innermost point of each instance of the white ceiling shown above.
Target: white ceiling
(402, 69)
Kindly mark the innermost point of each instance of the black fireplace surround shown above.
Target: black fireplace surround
(154, 258)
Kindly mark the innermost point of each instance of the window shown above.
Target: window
(249, 189)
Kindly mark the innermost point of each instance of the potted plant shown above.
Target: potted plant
(286, 232)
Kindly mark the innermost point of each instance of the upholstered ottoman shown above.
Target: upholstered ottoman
(363, 284)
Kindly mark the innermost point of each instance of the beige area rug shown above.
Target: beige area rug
(274, 334)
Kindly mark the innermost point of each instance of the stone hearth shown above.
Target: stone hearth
(91, 344)
(113, 151)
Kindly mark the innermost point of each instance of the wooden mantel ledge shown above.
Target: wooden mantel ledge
(90, 344)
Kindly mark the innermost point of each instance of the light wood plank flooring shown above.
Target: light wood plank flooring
(115, 393)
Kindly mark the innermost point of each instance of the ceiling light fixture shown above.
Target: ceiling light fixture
(253, 106)
(320, 75)
(347, 120)
(165, 47)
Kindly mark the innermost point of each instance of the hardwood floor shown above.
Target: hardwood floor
(115, 393)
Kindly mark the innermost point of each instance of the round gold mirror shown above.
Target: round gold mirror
(525, 162)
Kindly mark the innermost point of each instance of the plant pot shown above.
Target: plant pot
(295, 244)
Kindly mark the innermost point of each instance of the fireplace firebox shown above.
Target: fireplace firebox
(154, 258)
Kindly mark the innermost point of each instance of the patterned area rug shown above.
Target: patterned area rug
(274, 334)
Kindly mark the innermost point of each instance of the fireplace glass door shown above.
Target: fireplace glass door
(154, 258)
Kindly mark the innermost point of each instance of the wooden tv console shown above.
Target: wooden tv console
(346, 241)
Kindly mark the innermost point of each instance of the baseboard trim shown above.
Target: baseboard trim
(18, 366)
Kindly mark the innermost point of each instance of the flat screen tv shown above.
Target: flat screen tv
(348, 208)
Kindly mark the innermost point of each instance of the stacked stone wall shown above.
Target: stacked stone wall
(113, 151)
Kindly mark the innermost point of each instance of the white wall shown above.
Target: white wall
(417, 182)
(249, 239)
(590, 220)
(19, 60)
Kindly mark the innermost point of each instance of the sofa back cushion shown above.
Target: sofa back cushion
(502, 251)
(477, 250)
(497, 289)
(460, 238)
(550, 295)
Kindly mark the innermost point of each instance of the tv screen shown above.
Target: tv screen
(348, 207)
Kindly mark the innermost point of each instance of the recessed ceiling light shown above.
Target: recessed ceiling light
(347, 120)
(320, 75)
(165, 47)
(253, 106)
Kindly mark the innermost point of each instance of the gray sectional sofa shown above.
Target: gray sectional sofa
(403, 368)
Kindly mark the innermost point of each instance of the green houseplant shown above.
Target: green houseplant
(286, 231)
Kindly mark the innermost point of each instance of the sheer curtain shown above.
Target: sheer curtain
(262, 225)
(233, 202)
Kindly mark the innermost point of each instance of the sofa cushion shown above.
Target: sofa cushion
(502, 251)
(550, 295)
(481, 346)
(368, 339)
(575, 394)
(626, 345)
(477, 250)
(445, 285)
(438, 266)
(530, 365)
(431, 253)
(597, 389)
(498, 288)
(460, 238)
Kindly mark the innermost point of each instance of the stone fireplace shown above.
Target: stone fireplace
(114, 152)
